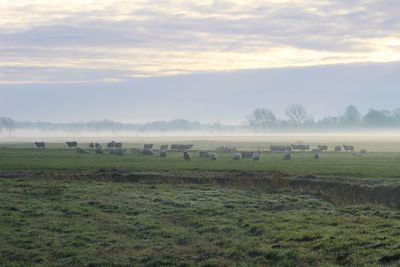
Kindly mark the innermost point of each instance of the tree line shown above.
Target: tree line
(262, 119)
(298, 117)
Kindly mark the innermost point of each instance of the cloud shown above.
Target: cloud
(147, 38)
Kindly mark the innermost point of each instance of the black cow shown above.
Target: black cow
(40, 145)
(72, 144)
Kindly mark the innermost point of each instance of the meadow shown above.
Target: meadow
(91, 223)
(55, 208)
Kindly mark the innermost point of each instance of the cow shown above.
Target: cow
(348, 148)
(363, 152)
(81, 151)
(213, 156)
(111, 145)
(237, 156)
(338, 148)
(287, 156)
(300, 147)
(147, 152)
(323, 148)
(256, 156)
(40, 145)
(316, 150)
(72, 144)
(186, 155)
(91, 145)
(247, 154)
(317, 156)
(118, 145)
(277, 148)
(204, 154)
(164, 147)
(163, 153)
(148, 146)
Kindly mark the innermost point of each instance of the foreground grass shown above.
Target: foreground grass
(382, 165)
(71, 223)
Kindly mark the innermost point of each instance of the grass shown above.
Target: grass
(87, 222)
(61, 223)
(378, 165)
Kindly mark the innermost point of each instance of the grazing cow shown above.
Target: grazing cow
(186, 155)
(276, 148)
(204, 154)
(118, 152)
(111, 145)
(91, 145)
(118, 145)
(323, 148)
(213, 156)
(256, 156)
(40, 145)
(148, 146)
(72, 144)
(338, 148)
(99, 150)
(163, 153)
(300, 147)
(164, 147)
(348, 148)
(237, 156)
(317, 155)
(82, 151)
(287, 156)
(147, 152)
(247, 154)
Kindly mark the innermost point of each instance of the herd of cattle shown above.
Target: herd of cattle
(116, 148)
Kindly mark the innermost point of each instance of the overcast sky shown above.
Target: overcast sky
(108, 43)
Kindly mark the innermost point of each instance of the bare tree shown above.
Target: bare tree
(297, 114)
(262, 118)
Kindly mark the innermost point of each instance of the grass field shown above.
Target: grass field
(378, 165)
(47, 222)
(49, 219)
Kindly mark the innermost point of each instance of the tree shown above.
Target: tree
(297, 114)
(7, 123)
(378, 118)
(262, 118)
(351, 116)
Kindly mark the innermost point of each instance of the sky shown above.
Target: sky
(144, 50)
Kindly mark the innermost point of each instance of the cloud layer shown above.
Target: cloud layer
(94, 41)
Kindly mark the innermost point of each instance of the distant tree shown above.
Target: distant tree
(7, 124)
(378, 118)
(262, 118)
(351, 116)
(297, 114)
